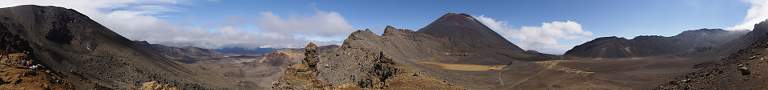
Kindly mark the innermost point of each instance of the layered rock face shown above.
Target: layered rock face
(743, 70)
(685, 43)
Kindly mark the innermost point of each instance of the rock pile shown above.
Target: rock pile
(302, 76)
(311, 56)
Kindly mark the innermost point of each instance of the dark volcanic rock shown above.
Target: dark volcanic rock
(686, 43)
(12, 43)
(609, 47)
(465, 34)
(311, 56)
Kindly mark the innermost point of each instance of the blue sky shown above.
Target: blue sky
(603, 17)
(600, 18)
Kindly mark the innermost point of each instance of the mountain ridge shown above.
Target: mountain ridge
(691, 42)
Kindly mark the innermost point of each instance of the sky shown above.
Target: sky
(548, 26)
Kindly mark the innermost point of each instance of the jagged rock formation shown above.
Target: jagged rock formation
(743, 70)
(364, 62)
(303, 75)
(83, 51)
(311, 57)
(685, 43)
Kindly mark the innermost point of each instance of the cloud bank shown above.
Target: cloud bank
(757, 12)
(546, 38)
(139, 20)
(272, 31)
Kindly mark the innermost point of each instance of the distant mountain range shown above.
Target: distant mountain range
(692, 41)
(245, 51)
(743, 69)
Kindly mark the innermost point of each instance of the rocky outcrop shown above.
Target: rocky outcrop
(692, 42)
(311, 56)
(364, 61)
(302, 76)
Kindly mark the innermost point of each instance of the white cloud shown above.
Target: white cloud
(324, 24)
(139, 20)
(545, 38)
(758, 12)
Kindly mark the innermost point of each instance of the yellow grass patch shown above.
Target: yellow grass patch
(554, 65)
(466, 67)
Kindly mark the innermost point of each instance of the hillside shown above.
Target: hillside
(85, 52)
(742, 70)
(686, 43)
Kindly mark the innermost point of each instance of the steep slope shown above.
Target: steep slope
(686, 43)
(742, 70)
(465, 34)
(601, 47)
(85, 52)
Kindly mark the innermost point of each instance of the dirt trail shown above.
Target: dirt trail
(547, 66)
(466, 67)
